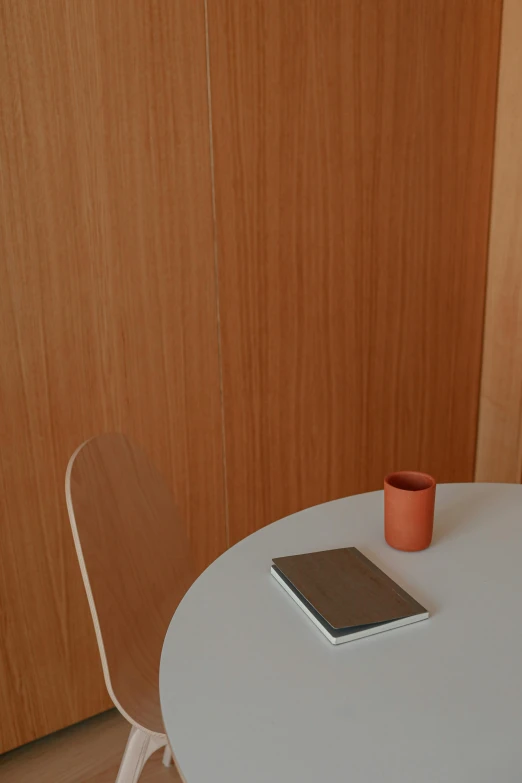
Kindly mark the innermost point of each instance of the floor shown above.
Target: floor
(89, 752)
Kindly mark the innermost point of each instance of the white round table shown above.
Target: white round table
(252, 692)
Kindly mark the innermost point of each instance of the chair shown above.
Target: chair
(136, 566)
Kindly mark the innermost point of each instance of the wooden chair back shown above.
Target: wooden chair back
(136, 565)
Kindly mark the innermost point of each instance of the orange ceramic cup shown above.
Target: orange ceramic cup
(409, 505)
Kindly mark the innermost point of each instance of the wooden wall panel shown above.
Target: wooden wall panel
(499, 450)
(107, 309)
(353, 148)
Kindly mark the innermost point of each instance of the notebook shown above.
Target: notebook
(346, 595)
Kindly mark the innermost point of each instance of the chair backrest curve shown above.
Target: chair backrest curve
(135, 562)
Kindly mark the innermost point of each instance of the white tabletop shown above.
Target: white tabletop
(252, 692)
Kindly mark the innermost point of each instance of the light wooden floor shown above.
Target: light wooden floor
(89, 752)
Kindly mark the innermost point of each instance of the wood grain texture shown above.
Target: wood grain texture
(89, 752)
(499, 448)
(353, 150)
(136, 565)
(107, 310)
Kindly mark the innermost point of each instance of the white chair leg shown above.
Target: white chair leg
(138, 749)
(167, 756)
(156, 742)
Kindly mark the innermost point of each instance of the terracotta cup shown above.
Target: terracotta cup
(409, 505)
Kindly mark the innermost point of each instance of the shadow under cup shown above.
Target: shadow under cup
(409, 506)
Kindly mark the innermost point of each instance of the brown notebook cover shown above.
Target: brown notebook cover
(345, 591)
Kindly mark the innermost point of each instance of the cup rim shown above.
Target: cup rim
(404, 473)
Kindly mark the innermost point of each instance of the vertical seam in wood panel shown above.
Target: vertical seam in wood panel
(216, 276)
(486, 277)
